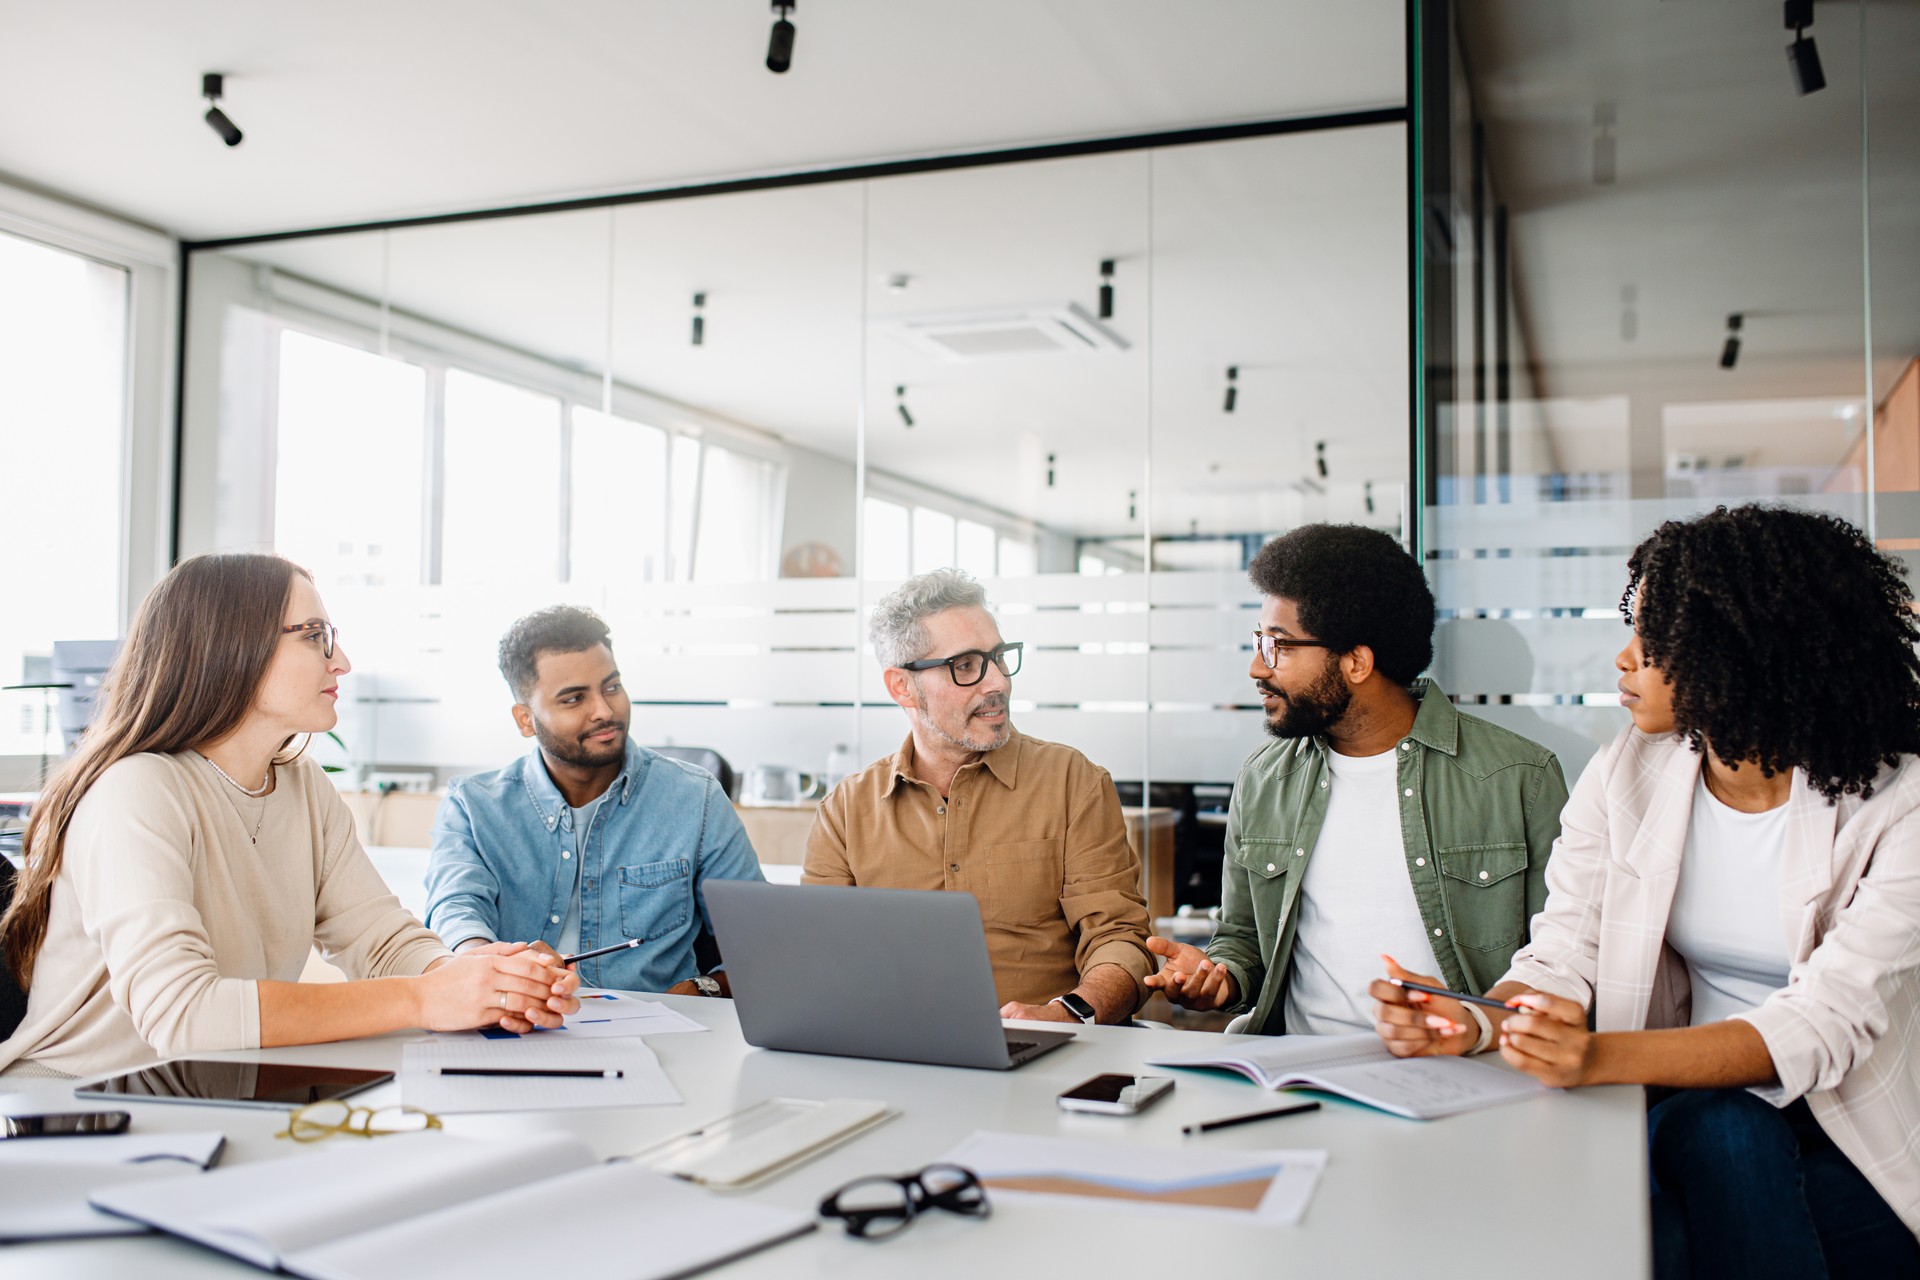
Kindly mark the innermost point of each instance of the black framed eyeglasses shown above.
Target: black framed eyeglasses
(881, 1206)
(971, 667)
(1270, 646)
(329, 634)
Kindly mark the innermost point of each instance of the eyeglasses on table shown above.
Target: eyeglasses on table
(318, 1121)
(881, 1206)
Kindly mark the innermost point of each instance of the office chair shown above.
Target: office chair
(13, 1000)
(710, 760)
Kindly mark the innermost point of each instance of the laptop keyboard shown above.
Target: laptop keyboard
(1018, 1047)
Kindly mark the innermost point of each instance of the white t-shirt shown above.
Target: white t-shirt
(570, 926)
(1355, 903)
(1725, 921)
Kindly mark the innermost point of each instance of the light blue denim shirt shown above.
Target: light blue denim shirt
(502, 864)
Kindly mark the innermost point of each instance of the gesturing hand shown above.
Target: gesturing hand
(1547, 1038)
(1413, 1024)
(503, 982)
(1189, 978)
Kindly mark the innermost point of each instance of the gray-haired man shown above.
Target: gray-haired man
(1032, 829)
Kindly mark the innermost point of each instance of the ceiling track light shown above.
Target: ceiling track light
(1730, 353)
(700, 319)
(1233, 390)
(1106, 288)
(1049, 471)
(900, 403)
(1133, 504)
(1366, 491)
(1803, 60)
(213, 86)
(780, 43)
(1320, 457)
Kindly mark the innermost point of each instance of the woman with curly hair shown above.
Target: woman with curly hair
(183, 864)
(1733, 906)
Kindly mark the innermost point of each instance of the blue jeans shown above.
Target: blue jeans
(1741, 1188)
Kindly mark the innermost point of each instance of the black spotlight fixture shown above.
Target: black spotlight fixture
(1049, 471)
(1802, 58)
(1730, 353)
(1133, 504)
(1106, 288)
(900, 403)
(780, 43)
(1367, 492)
(1320, 457)
(1233, 389)
(212, 86)
(700, 319)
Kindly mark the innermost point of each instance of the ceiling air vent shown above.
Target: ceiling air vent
(1011, 331)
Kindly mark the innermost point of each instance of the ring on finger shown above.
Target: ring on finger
(500, 998)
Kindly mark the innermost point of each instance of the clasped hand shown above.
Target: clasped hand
(510, 984)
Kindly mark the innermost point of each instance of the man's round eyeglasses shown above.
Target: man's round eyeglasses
(329, 634)
(971, 667)
(877, 1207)
(1270, 646)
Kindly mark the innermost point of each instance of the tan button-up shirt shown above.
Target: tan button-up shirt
(1034, 831)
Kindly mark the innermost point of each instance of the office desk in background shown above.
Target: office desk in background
(1462, 1197)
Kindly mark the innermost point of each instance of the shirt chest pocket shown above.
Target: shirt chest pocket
(1266, 860)
(1024, 881)
(1486, 890)
(655, 898)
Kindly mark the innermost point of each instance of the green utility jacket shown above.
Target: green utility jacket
(1479, 812)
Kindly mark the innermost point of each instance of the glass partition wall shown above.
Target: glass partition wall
(1654, 278)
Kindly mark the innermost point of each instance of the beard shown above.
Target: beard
(1311, 713)
(966, 736)
(578, 751)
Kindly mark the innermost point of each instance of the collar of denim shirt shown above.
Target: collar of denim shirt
(553, 807)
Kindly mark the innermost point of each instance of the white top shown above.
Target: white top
(1355, 903)
(570, 927)
(1725, 921)
(166, 914)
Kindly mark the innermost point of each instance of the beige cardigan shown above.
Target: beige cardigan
(1845, 1030)
(166, 914)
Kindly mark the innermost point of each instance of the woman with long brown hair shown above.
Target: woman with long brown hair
(182, 864)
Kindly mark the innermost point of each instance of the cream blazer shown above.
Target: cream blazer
(1845, 1031)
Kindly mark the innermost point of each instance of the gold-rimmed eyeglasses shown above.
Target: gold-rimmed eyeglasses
(330, 1116)
(329, 634)
(1270, 646)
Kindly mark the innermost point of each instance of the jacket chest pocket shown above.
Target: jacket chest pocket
(1024, 881)
(655, 897)
(1266, 862)
(1486, 892)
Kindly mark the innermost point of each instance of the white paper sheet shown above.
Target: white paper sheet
(642, 1083)
(603, 1015)
(1266, 1186)
(197, 1149)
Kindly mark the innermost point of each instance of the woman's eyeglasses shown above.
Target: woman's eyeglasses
(329, 634)
(319, 1120)
(971, 667)
(878, 1207)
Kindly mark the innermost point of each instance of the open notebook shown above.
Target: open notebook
(1360, 1068)
(429, 1204)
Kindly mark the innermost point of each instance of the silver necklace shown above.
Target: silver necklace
(265, 782)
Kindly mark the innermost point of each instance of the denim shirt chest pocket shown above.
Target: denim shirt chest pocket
(656, 898)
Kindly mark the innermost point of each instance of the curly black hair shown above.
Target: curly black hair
(1788, 639)
(560, 628)
(1353, 586)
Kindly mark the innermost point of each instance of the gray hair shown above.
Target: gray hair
(897, 627)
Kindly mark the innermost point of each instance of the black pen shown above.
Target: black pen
(1207, 1126)
(600, 951)
(610, 1073)
(1461, 996)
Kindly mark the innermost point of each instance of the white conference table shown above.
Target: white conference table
(1559, 1179)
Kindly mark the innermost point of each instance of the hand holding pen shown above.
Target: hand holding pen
(1416, 1016)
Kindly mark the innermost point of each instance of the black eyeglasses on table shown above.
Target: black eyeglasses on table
(1270, 646)
(881, 1206)
(971, 667)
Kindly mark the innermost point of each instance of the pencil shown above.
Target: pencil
(556, 1073)
(600, 951)
(1208, 1126)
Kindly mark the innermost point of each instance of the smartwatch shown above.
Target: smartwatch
(705, 985)
(1077, 1006)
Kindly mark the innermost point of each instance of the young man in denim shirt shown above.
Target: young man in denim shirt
(588, 840)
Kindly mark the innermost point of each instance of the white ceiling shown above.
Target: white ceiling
(1732, 195)
(365, 109)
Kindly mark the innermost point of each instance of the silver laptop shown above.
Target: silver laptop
(899, 974)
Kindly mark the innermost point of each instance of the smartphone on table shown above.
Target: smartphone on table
(64, 1124)
(1116, 1094)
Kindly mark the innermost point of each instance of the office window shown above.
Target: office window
(973, 548)
(1016, 558)
(500, 518)
(349, 453)
(618, 506)
(738, 506)
(63, 344)
(886, 540)
(932, 539)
